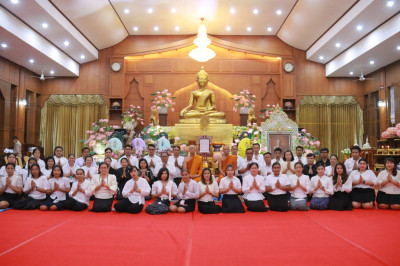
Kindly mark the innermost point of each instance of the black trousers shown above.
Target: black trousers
(125, 205)
(102, 205)
(74, 205)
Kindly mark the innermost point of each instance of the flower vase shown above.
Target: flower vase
(162, 110)
(99, 148)
(128, 125)
(244, 110)
(116, 107)
(346, 156)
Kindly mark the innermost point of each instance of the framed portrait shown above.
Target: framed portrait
(279, 140)
(204, 145)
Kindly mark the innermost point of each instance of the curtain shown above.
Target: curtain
(65, 119)
(337, 121)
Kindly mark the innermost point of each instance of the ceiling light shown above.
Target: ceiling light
(156, 28)
(321, 57)
(126, 11)
(232, 10)
(45, 25)
(31, 61)
(14, 1)
(248, 28)
(135, 28)
(351, 73)
(173, 10)
(389, 3)
(255, 11)
(398, 47)
(82, 56)
(279, 12)
(202, 53)
(269, 29)
(52, 72)
(149, 10)
(337, 44)
(371, 62)
(359, 27)
(177, 28)
(228, 28)
(66, 43)
(4, 45)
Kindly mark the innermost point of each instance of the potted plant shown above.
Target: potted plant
(99, 135)
(132, 117)
(243, 101)
(116, 105)
(162, 101)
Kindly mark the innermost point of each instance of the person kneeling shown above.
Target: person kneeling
(134, 192)
(253, 187)
(230, 187)
(208, 189)
(79, 194)
(389, 181)
(103, 187)
(188, 192)
(322, 188)
(364, 181)
(59, 187)
(300, 186)
(276, 185)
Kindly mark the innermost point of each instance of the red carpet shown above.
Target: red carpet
(300, 238)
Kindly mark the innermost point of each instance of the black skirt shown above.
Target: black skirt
(102, 205)
(50, 202)
(208, 207)
(340, 201)
(255, 205)
(232, 204)
(125, 205)
(11, 198)
(278, 202)
(363, 195)
(189, 204)
(74, 205)
(390, 199)
(27, 203)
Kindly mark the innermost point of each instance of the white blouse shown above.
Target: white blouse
(41, 164)
(103, 192)
(271, 181)
(136, 197)
(60, 161)
(284, 167)
(16, 181)
(192, 191)
(368, 176)
(46, 172)
(346, 187)
(156, 160)
(40, 182)
(298, 193)
(326, 183)
(266, 170)
(213, 188)
(171, 161)
(67, 170)
(92, 170)
(18, 170)
(171, 188)
(243, 165)
(170, 167)
(80, 196)
(329, 171)
(63, 183)
(224, 184)
(349, 163)
(253, 194)
(389, 188)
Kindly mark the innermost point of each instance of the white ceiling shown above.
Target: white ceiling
(315, 26)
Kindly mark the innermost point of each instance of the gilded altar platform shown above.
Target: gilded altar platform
(221, 133)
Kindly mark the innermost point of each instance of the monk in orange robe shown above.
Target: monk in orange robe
(225, 160)
(194, 163)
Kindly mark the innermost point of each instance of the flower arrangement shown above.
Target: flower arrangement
(217, 156)
(162, 99)
(266, 112)
(99, 134)
(308, 141)
(346, 151)
(244, 99)
(132, 117)
(288, 105)
(253, 129)
(116, 104)
(153, 132)
(391, 132)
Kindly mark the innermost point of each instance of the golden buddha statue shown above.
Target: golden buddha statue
(201, 102)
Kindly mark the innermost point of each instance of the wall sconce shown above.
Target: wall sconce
(381, 103)
(23, 102)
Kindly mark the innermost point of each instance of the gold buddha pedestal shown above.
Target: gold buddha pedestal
(201, 103)
(221, 133)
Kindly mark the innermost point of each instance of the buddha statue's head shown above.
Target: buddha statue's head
(202, 77)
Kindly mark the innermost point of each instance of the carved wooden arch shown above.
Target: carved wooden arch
(270, 95)
(133, 95)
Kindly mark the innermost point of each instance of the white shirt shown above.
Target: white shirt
(67, 169)
(368, 176)
(103, 193)
(265, 169)
(16, 181)
(213, 188)
(114, 164)
(81, 197)
(132, 159)
(260, 159)
(253, 194)
(63, 183)
(243, 165)
(41, 164)
(40, 182)
(346, 187)
(18, 170)
(302, 159)
(46, 172)
(349, 163)
(281, 161)
(298, 193)
(171, 161)
(239, 160)
(156, 160)
(171, 169)
(60, 161)
(224, 184)
(92, 170)
(136, 197)
(389, 188)
(326, 183)
(192, 191)
(81, 161)
(329, 171)
(284, 167)
(171, 188)
(271, 180)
